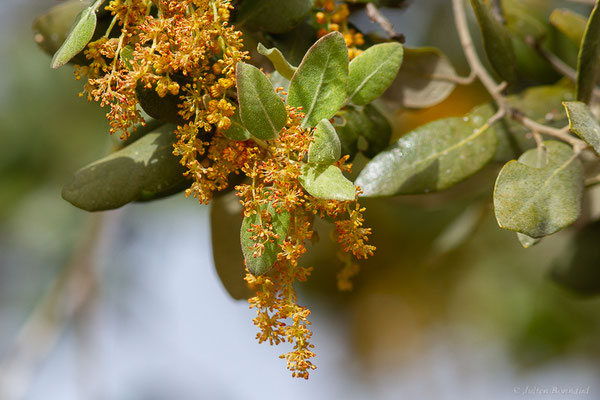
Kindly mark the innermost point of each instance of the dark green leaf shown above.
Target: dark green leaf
(327, 182)
(433, 157)
(278, 60)
(373, 71)
(588, 61)
(79, 36)
(376, 130)
(348, 126)
(583, 123)
(541, 193)
(578, 267)
(165, 109)
(424, 79)
(326, 147)
(273, 16)
(225, 220)
(261, 110)
(280, 222)
(496, 42)
(570, 23)
(144, 170)
(237, 131)
(319, 84)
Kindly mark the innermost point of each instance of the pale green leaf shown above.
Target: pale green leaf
(326, 147)
(278, 60)
(424, 79)
(319, 84)
(496, 42)
(527, 241)
(52, 28)
(81, 33)
(262, 111)
(373, 71)
(541, 193)
(144, 170)
(327, 182)
(570, 23)
(280, 221)
(583, 123)
(588, 61)
(225, 220)
(432, 157)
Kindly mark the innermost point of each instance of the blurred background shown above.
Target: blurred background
(126, 305)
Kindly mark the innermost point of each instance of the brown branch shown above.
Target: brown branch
(495, 89)
(376, 16)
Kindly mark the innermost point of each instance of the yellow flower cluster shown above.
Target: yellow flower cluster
(186, 49)
(334, 17)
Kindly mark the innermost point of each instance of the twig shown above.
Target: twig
(496, 89)
(376, 16)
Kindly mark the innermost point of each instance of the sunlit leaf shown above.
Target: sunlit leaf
(225, 220)
(261, 110)
(588, 61)
(278, 60)
(319, 84)
(432, 157)
(144, 170)
(583, 123)
(280, 222)
(496, 42)
(372, 72)
(326, 147)
(424, 79)
(540, 193)
(79, 36)
(273, 16)
(327, 182)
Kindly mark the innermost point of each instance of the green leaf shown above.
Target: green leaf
(280, 222)
(541, 193)
(164, 109)
(588, 61)
(278, 60)
(327, 182)
(52, 28)
(527, 241)
(79, 36)
(496, 42)
(423, 79)
(225, 220)
(578, 267)
(373, 71)
(432, 157)
(236, 131)
(326, 147)
(570, 23)
(319, 84)
(583, 123)
(262, 111)
(273, 16)
(144, 170)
